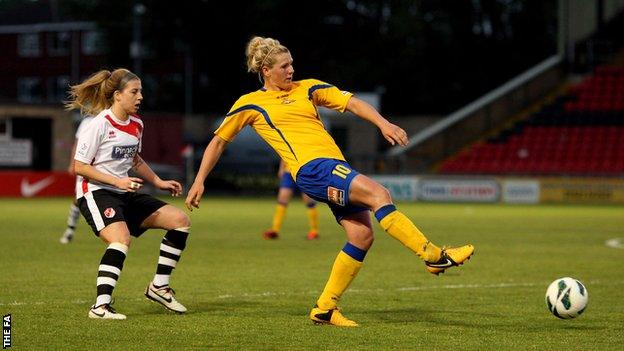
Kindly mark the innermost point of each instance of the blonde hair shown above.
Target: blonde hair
(95, 93)
(261, 52)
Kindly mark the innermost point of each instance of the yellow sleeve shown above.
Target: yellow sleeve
(327, 95)
(239, 116)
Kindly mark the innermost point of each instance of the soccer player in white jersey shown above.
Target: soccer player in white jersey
(107, 197)
(74, 211)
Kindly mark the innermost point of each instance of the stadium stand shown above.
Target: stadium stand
(580, 133)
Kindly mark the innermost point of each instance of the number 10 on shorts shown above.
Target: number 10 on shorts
(341, 171)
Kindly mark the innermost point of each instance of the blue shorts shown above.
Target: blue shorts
(287, 181)
(328, 180)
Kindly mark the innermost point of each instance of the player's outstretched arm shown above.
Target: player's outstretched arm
(144, 171)
(209, 160)
(393, 133)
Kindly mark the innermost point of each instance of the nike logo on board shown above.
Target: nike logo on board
(31, 189)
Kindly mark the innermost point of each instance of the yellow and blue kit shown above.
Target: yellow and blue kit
(287, 181)
(289, 122)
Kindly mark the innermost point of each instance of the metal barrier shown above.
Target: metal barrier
(472, 121)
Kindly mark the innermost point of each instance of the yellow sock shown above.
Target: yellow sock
(313, 218)
(401, 228)
(342, 274)
(278, 217)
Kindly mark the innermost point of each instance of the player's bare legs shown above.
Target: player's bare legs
(366, 192)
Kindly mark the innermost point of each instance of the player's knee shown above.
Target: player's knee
(181, 220)
(381, 196)
(124, 239)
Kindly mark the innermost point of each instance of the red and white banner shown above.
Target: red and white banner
(30, 184)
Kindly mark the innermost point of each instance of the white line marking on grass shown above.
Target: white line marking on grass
(616, 243)
(409, 288)
(357, 291)
(470, 286)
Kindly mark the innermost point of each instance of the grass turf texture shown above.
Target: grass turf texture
(243, 292)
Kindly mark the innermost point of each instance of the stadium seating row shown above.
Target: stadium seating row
(581, 133)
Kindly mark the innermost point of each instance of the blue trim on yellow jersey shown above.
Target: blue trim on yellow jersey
(317, 87)
(266, 118)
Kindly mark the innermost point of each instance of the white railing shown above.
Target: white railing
(476, 105)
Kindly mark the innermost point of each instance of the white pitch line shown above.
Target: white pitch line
(357, 291)
(616, 243)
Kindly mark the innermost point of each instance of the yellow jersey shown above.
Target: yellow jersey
(289, 121)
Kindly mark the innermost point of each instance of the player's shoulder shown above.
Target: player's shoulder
(246, 99)
(86, 120)
(312, 82)
(253, 95)
(136, 119)
(100, 118)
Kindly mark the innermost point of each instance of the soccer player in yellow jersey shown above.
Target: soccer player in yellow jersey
(286, 190)
(283, 112)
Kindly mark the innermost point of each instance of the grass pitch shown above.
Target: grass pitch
(246, 293)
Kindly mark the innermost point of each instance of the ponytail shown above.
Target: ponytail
(95, 93)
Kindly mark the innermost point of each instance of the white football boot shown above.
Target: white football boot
(105, 312)
(164, 296)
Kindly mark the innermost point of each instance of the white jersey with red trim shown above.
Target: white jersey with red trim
(83, 125)
(108, 144)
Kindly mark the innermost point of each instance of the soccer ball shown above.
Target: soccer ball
(566, 298)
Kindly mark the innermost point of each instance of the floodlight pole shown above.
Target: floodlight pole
(136, 50)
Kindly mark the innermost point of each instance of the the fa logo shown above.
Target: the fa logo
(111, 134)
(6, 331)
(109, 212)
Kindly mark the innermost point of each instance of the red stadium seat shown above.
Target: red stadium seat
(590, 147)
